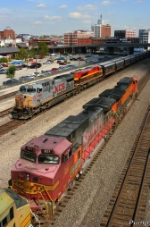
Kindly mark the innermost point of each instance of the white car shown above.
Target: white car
(35, 73)
(47, 62)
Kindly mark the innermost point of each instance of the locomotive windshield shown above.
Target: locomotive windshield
(46, 159)
(27, 88)
(31, 89)
(28, 156)
(22, 89)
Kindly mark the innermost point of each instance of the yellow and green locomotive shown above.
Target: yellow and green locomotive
(14, 210)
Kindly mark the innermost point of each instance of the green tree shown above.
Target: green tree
(22, 54)
(3, 60)
(65, 53)
(42, 49)
(11, 71)
(31, 53)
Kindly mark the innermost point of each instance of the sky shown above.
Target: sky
(56, 17)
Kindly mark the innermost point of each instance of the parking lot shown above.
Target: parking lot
(44, 67)
(29, 74)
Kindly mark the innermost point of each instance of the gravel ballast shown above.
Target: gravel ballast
(87, 206)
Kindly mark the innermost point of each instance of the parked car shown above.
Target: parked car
(62, 63)
(24, 65)
(24, 78)
(19, 67)
(47, 62)
(1, 66)
(4, 64)
(54, 70)
(81, 59)
(71, 66)
(40, 75)
(34, 65)
(10, 82)
(61, 58)
(73, 59)
(31, 77)
(3, 71)
(47, 72)
(61, 68)
(35, 73)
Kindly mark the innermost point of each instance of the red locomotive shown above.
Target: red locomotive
(49, 164)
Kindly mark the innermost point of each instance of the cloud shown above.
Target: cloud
(75, 15)
(107, 3)
(37, 22)
(41, 6)
(78, 15)
(53, 17)
(88, 7)
(63, 7)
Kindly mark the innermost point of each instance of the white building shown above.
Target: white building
(144, 35)
(101, 31)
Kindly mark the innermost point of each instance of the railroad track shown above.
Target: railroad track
(5, 112)
(8, 95)
(9, 126)
(127, 206)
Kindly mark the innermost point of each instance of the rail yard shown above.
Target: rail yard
(88, 204)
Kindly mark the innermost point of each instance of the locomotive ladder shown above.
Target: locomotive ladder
(127, 206)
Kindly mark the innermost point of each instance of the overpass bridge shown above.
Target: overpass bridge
(110, 47)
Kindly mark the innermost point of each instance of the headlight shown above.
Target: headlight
(28, 176)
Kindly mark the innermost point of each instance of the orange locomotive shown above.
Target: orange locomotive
(49, 164)
(86, 75)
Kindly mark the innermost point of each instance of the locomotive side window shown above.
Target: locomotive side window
(67, 156)
(28, 156)
(39, 90)
(53, 159)
(46, 86)
(8, 218)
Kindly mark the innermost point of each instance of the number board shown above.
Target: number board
(47, 151)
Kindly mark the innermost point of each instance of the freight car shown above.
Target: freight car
(49, 164)
(14, 210)
(35, 97)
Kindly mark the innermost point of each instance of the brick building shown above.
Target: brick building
(78, 37)
(7, 34)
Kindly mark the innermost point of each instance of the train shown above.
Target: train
(35, 97)
(14, 210)
(50, 164)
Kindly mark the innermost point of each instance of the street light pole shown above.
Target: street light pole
(36, 63)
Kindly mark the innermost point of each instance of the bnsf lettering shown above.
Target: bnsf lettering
(60, 87)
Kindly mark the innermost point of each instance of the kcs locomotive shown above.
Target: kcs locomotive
(49, 164)
(35, 97)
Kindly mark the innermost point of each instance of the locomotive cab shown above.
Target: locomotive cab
(26, 100)
(46, 167)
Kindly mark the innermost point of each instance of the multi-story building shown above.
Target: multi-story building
(100, 30)
(7, 34)
(77, 37)
(144, 35)
(124, 34)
